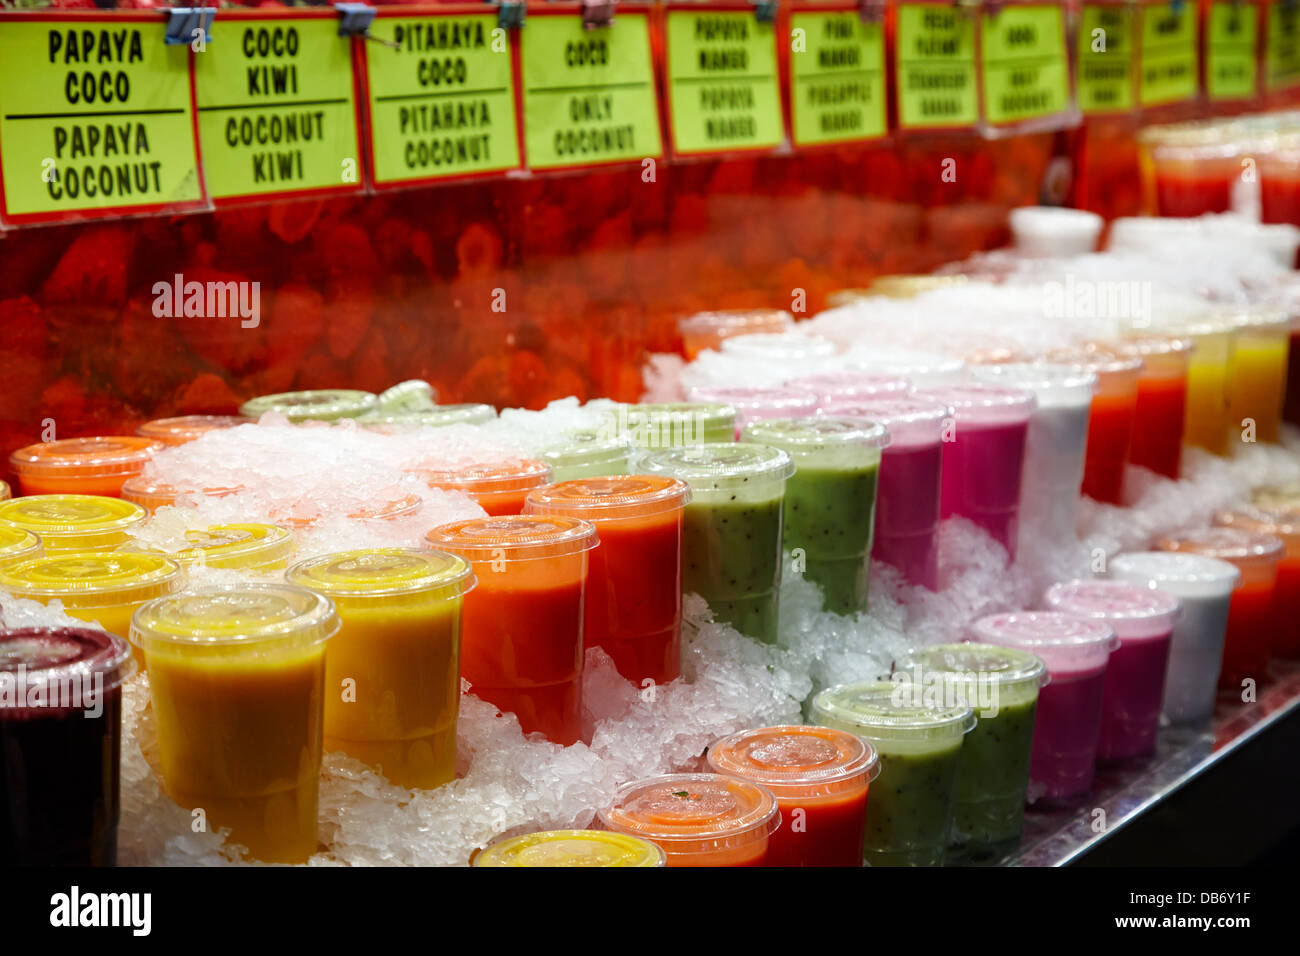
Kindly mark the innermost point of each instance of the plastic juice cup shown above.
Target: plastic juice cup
(325, 405)
(1279, 181)
(521, 629)
(73, 522)
(1205, 586)
(983, 464)
(152, 495)
(910, 286)
(399, 646)
(413, 395)
(94, 586)
(500, 488)
(1054, 444)
(1159, 417)
(674, 424)
(634, 585)
(784, 347)
(5, 493)
(1001, 684)
(590, 455)
(18, 544)
(1206, 422)
(850, 386)
(179, 431)
(389, 420)
(1067, 724)
(1143, 619)
(830, 500)
(753, 403)
(906, 534)
(1256, 556)
(237, 678)
(60, 761)
(819, 776)
(552, 848)
(1055, 231)
(731, 538)
(246, 547)
(706, 330)
(1257, 383)
(1111, 420)
(1192, 169)
(698, 819)
(84, 466)
(923, 369)
(910, 813)
(1285, 526)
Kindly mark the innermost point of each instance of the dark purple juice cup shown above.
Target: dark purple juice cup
(1068, 722)
(60, 745)
(1143, 619)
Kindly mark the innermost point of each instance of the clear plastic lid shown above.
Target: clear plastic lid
(1064, 642)
(759, 401)
(102, 456)
(1054, 386)
(909, 420)
(1233, 545)
(470, 413)
(848, 385)
(551, 848)
(414, 395)
(720, 466)
(679, 810)
(916, 365)
(1133, 612)
(325, 405)
(1180, 574)
(1262, 320)
(1006, 667)
(384, 573)
(797, 761)
(104, 577)
(179, 431)
(236, 545)
(889, 711)
(732, 322)
(18, 544)
(590, 449)
(489, 477)
(1279, 523)
(664, 424)
(83, 518)
(910, 286)
(1106, 364)
(779, 346)
(982, 403)
(57, 657)
(1277, 498)
(151, 494)
(1146, 345)
(515, 537)
(235, 619)
(613, 497)
(805, 437)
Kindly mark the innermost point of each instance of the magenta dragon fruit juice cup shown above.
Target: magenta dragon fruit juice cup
(1143, 619)
(1067, 725)
(754, 403)
(908, 490)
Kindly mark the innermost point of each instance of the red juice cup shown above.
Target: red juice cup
(182, 430)
(1143, 619)
(906, 535)
(754, 403)
(698, 819)
(1285, 526)
(59, 759)
(82, 466)
(1279, 181)
(1160, 412)
(634, 586)
(1193, 168)
(984, 462)
(706, 330)
(819, 776)
(521, 628)
(18, 544)
(1067, 724)
(500, 488)
(73, 522)
(1250, 615)
(1110, 422)
(850, 386)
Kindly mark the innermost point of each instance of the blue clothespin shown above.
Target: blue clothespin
(511, 14)
(765, 11)
(183, 21)
(354, 19)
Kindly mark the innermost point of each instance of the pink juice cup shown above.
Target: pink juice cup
(754, 403)
(984, 460)
(1143, 619)
(850, 386)
(908, 489)
(1068, 723)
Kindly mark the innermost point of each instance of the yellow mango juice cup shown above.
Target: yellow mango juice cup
(550, 848)
(392, 676)
(237, 676)
(1257, 382)
(240, 547)
(73, 522)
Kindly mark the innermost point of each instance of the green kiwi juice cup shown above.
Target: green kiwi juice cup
(920, 743)
(830, 501)
(1001, 684)
(731, 535)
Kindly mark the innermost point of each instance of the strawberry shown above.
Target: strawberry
(93, 270)
(294, 322)
(293, 221)
(351, 307)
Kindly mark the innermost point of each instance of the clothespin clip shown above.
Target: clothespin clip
(183, 22)
(511, 14)
(765, 10)
(597, 13)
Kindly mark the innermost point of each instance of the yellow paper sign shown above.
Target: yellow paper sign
(837, 78)
(94, 116)
(1026, 70)
(936, 67)
(1169, 55)
(1282, 62)
(1105, 47)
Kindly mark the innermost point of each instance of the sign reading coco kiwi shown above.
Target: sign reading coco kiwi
(441, 98)
(1282, 60)
(1231, 61)
(1026, 69)
(723, 91)
(277, 112)
(95, 118)
(837, 77)
(936, 67)
(1105, 57)
(1169, 54)
(589, 94)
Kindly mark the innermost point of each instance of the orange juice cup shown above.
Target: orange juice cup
(1160, 415)
(392, 675)
(706, 330)
(244, 547)
(151, 495)
(73, 522)
(84, 466)
(237, 677)
(521, 637)
(634, 587)
(93, 586)
(18, 544)
(699, 819)
(551, 848)
(819, 777)
(1250, 613)
(1285, 526)
(499, 488)
(179, 431)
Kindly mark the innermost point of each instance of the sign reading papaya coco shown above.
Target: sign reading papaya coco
(94, 119)
(936, 67)
(837, 77)
(442, 101)
(1105, 48)
(276, 109)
